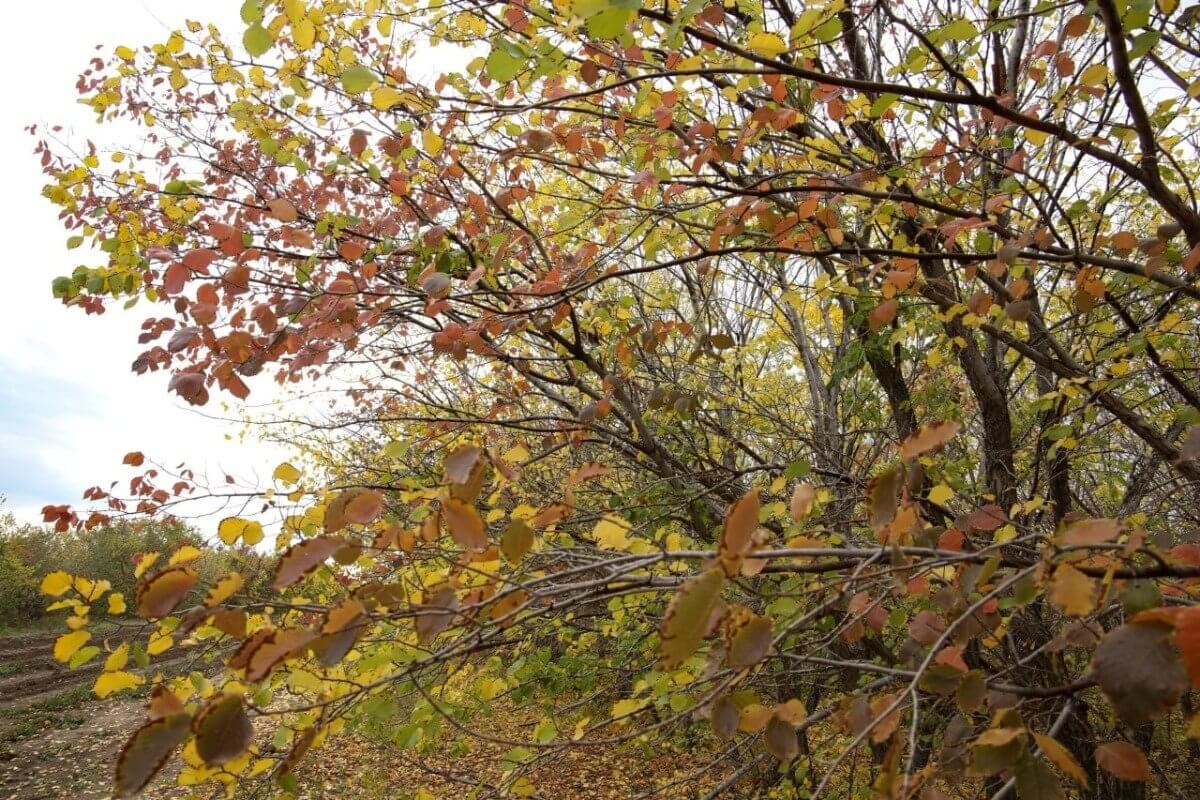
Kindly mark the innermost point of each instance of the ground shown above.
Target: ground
(58, 741)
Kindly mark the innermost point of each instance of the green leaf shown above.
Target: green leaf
(358, 79)
(1143, 43)
(505, 61)
(960, 30)
(609, 24)
(257, 40)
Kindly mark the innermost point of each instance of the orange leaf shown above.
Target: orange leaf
(929, 437)
(1123, 760)
(464, 523)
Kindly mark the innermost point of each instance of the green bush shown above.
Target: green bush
(27, 552)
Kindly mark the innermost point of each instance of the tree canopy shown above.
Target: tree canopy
(820, 376)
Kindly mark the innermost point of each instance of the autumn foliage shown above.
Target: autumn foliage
(817, 381)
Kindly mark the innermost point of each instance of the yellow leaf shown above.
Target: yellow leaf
(110, 682)
(581, 728)
(253, 533)
(385, 97)
(767, 44)
(287, 473)
(611, 533)
(183, 555)
(431, 143)
(231, 529)
(223, 589)
(68, 643)
(623, 708)
(304, 34)
(90, 590)
(1035, 137)
(116, 604)
(1072, 592)
(941, 494)
(144, 563)
(117, 659)
(56, 583)
(160, 642)
(1094, 75)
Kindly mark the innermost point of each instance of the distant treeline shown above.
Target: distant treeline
(27, 552)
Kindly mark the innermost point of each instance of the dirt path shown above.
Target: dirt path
(58, 741)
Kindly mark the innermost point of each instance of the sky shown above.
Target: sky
(70, 407)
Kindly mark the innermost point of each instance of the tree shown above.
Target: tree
(823, 372)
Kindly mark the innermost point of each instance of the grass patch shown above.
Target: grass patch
(53, 712)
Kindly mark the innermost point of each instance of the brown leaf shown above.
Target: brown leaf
(230, 622)
(282, 210)
(987, 518)
(364, 507)
(781, 740)
(464, 470)
(749, 638)
(740, 523)
(686, 621)
(1090, 531)
(1124, 761)
(158, 595)
(724, 717)
(926, 627)
(302, 558)
(803, 496)
(276, 649)
(464, 524)
(1138, 667)
(222, 728)
(516, 541)
(146, 751)
(882, 496)
(163, 703)
(435, 614)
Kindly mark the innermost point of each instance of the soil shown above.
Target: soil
(58, 741)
